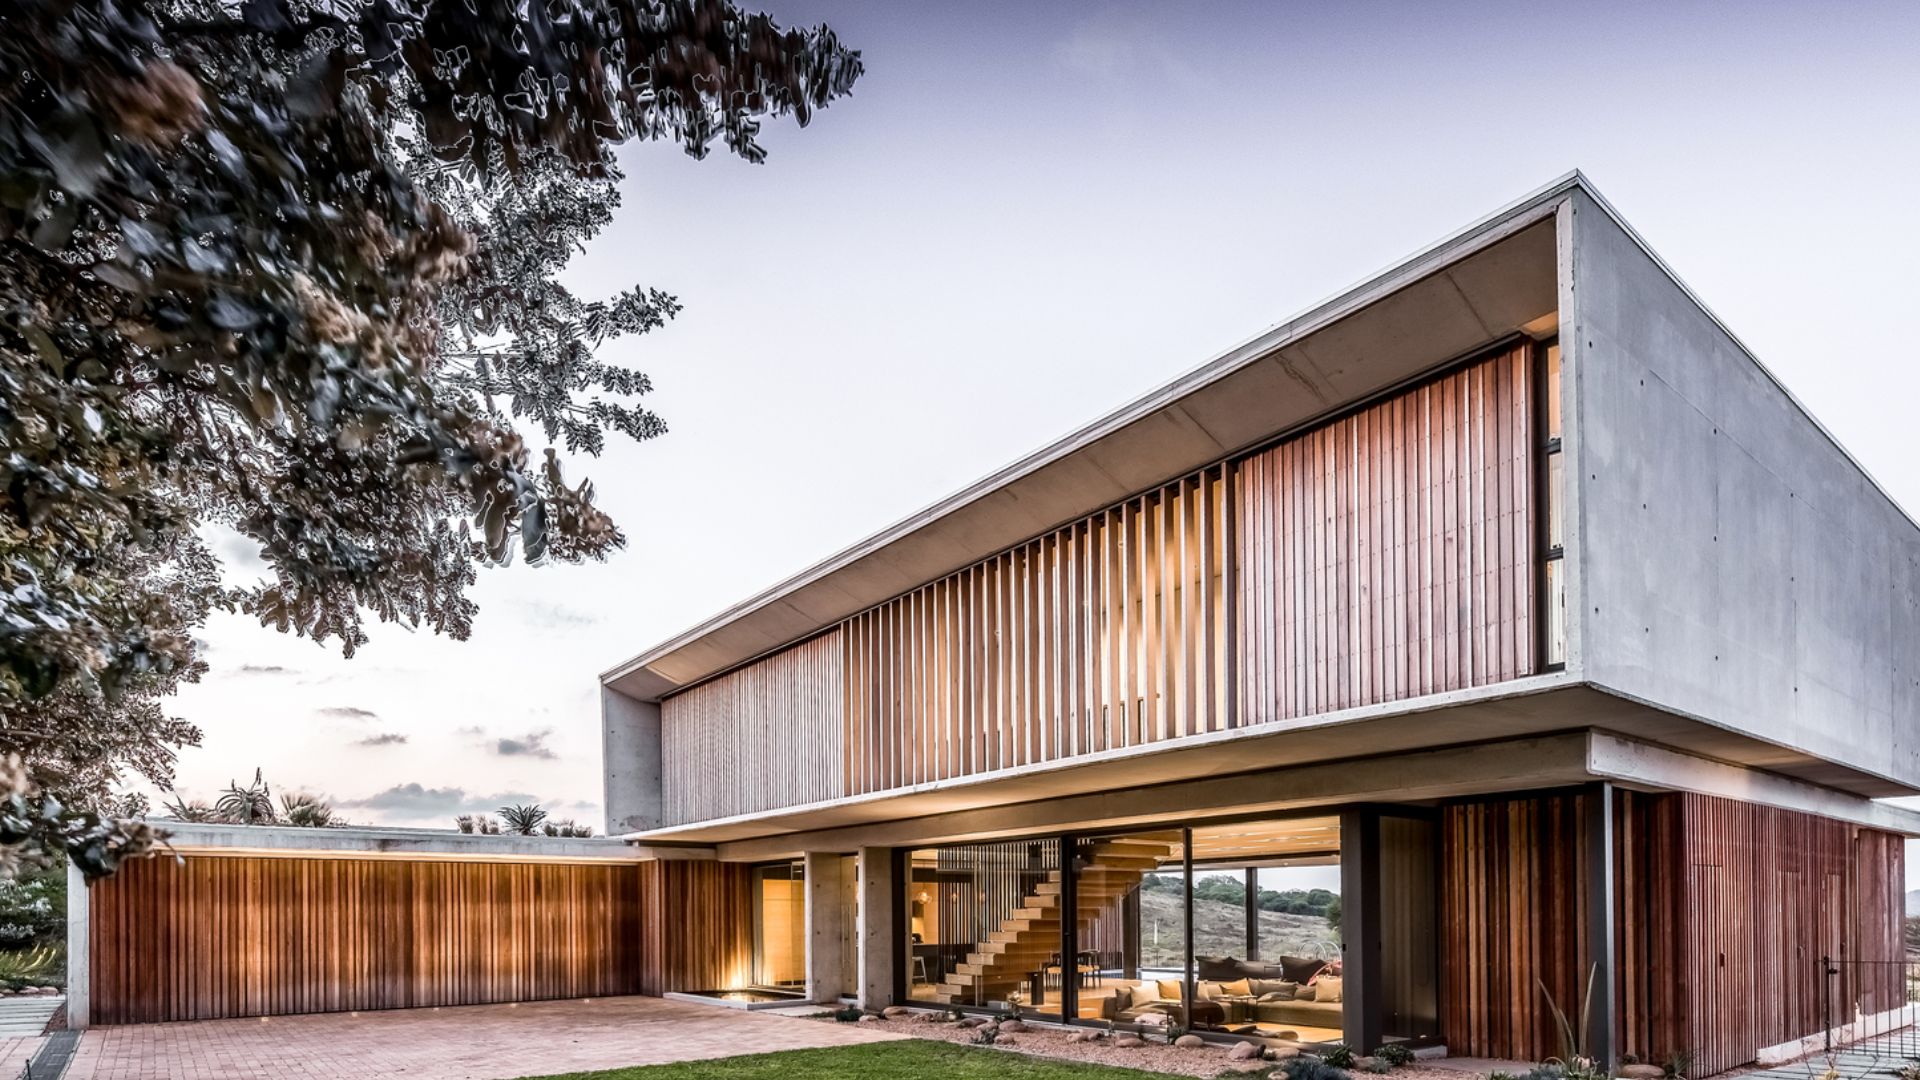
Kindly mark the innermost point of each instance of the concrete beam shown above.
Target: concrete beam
(829, 938)
(878, 933)
(198, 838)
(630, 757)
(79, 950)
(1435, 774)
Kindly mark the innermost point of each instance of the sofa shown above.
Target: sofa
(1295, 991)
(1158, 1001)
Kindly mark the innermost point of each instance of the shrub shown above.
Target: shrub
(33, 908)
(38, 966)
(1305, 1067)
(849, 1015)
(1678, 1063)
(1394, 1054)
(523, 819)
(1339, 1055)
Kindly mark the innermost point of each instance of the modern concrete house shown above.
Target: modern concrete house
(1495, 634)
(1505, 596)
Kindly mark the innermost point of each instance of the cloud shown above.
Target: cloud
(388, 738)
(348, 712)
(533, 744)
(416, 800)
(552, 616)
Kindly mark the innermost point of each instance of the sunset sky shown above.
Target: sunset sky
(1028, 214)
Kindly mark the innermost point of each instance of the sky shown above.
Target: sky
(1028, 214)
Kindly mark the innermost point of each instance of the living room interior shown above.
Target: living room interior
(986, 927)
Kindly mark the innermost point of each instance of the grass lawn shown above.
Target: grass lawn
(871, 1061)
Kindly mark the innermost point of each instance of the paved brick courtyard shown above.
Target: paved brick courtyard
(482, 1042)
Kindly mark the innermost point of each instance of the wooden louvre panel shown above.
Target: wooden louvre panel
(1723, 911)
(229, 936)
(1391, 554)
(765, 736)
(1107, 633)
(698, 933)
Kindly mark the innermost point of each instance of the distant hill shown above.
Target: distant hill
(1221, 930)
(1913, 902)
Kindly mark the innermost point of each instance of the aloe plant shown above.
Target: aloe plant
(29, 967)
(250, 805)
(524, 820)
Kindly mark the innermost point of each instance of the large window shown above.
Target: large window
(1228, 928)
(983, 925)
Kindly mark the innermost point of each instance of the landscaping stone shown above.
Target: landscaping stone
(1245, 1051)
(869, 1018)
(1129, 1041)
(974, 1022)
(1012, 1025)
(1285, 1053)
(1189, 1042)
(895, 1012)
(1642, 1072)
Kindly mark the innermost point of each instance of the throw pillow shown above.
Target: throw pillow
(1301, 969)
(1218, 968)
(1305, 993)
(1143, 995)
(1237, 988)
(1170, 990)
(1326, 989)
(1263, 987)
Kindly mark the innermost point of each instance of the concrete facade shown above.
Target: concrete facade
(1737, 566)
(630, 754)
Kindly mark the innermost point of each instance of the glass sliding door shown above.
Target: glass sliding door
(983, 925)
(1130, 954)
(780, 926)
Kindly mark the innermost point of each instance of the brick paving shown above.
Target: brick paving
(15, 1052)
(482, 1042)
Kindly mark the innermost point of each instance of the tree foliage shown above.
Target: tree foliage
(288, 267)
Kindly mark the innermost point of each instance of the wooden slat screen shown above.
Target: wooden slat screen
(1723, 911)
(1512, 919)
(703, 936)
(765, 736)
(229, 936)
(1107, 633)
(1390, 554)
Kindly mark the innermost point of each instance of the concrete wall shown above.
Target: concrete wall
(630, 757)
(1735, 565)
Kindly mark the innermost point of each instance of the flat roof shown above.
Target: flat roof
(1496, 277)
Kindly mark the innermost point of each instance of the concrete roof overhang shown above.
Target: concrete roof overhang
(1486, 282)
(1359, 741)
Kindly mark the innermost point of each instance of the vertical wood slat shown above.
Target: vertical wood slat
(1723, 911)
(778, 732)
(1069, 644)
(227, 936)
(1352, 594)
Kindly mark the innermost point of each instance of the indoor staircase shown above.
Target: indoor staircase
(1030, 934)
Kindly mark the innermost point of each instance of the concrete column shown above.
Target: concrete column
(79, 953)
(828, 937)
(879, 939)
(630, 756)
(1600, 889)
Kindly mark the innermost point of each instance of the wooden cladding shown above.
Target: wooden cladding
(1390, 554)
(767, 735)
(1107, 633)
(1387, 555)
(1512, 920)
(224, 936)
(1723, 910)
(702, 936)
